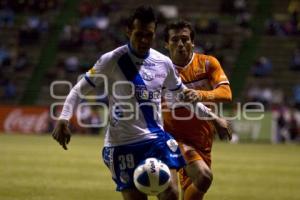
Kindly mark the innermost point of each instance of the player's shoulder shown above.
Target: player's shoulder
(159, 57)
(114, 55)
(207, 60)
(204, 57)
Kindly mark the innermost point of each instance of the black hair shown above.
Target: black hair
(177, 26)
(144, 13)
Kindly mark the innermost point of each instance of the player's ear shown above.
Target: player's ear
(166, 45)
(193, 45)
(128, 32)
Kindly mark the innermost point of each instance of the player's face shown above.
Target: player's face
(180, 45)
(141, 36)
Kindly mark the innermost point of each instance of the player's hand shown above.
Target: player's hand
(62, 133)
(223, 128)
(190, 95)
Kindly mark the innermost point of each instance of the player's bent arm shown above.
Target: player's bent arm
(194, 106)
(61, 132)
(220, 94)
(72, 100)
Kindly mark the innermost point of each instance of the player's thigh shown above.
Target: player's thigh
(133, 194)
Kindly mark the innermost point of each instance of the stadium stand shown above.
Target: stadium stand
(25, 25)
(95, 30)
(278, 46)
(62, 48)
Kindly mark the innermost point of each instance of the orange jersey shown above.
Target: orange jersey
(203, 73)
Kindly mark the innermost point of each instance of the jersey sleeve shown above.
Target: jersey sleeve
(217, 75)
(95, 76)
(100, 71)
(173, 81)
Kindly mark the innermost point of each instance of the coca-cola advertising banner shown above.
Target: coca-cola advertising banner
(24, 119)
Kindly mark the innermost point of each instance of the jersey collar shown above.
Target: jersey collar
(182, 67)
(133, 52)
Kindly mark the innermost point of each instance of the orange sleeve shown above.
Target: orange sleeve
(218, 81)
(216, 73)
(221, 94)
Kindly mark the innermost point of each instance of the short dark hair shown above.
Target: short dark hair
(144, 13)
(177, 26)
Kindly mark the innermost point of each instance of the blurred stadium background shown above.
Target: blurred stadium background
(41, 41)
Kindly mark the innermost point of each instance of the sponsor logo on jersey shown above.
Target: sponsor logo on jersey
(145, 64)
(147, 95)
(160, 75)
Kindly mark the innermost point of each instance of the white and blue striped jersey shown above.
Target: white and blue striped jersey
(134, 91)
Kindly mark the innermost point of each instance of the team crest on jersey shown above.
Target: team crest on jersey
(147, 76)
(172, 144)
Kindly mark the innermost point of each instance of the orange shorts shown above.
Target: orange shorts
(190, 155)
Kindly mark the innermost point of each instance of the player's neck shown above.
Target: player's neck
(183, 62)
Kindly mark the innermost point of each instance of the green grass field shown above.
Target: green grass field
(37, 168)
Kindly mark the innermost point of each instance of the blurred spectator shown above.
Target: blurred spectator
(294, 128)
(282, 133)
(254, 93)
(296, 96)
(87, 22)
(9, 89)
(262, 67)
(242, 15)
(243, 19)
(70, 38)
(295, 61)
(71, 64)
(273, 27)
(270, 98)
(277, 96)
(21, 61)
(5, 57)
(266, 97)
(30, 32)
(7, 17)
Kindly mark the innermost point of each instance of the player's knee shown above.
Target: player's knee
(204, 180)
(171, 193)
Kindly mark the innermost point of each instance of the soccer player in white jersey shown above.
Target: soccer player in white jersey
(135, 130)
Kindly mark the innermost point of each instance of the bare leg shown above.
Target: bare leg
(171, 193)
(201, 176)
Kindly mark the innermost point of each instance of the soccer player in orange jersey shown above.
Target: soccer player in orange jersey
(207, 81)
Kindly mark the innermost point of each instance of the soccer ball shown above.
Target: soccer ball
(152, 176)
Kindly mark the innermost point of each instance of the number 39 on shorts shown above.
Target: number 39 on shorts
(126, 161)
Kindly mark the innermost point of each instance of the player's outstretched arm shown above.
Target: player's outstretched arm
(62, 133)
(223, 126)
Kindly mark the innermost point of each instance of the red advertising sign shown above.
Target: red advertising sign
(24, 119)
